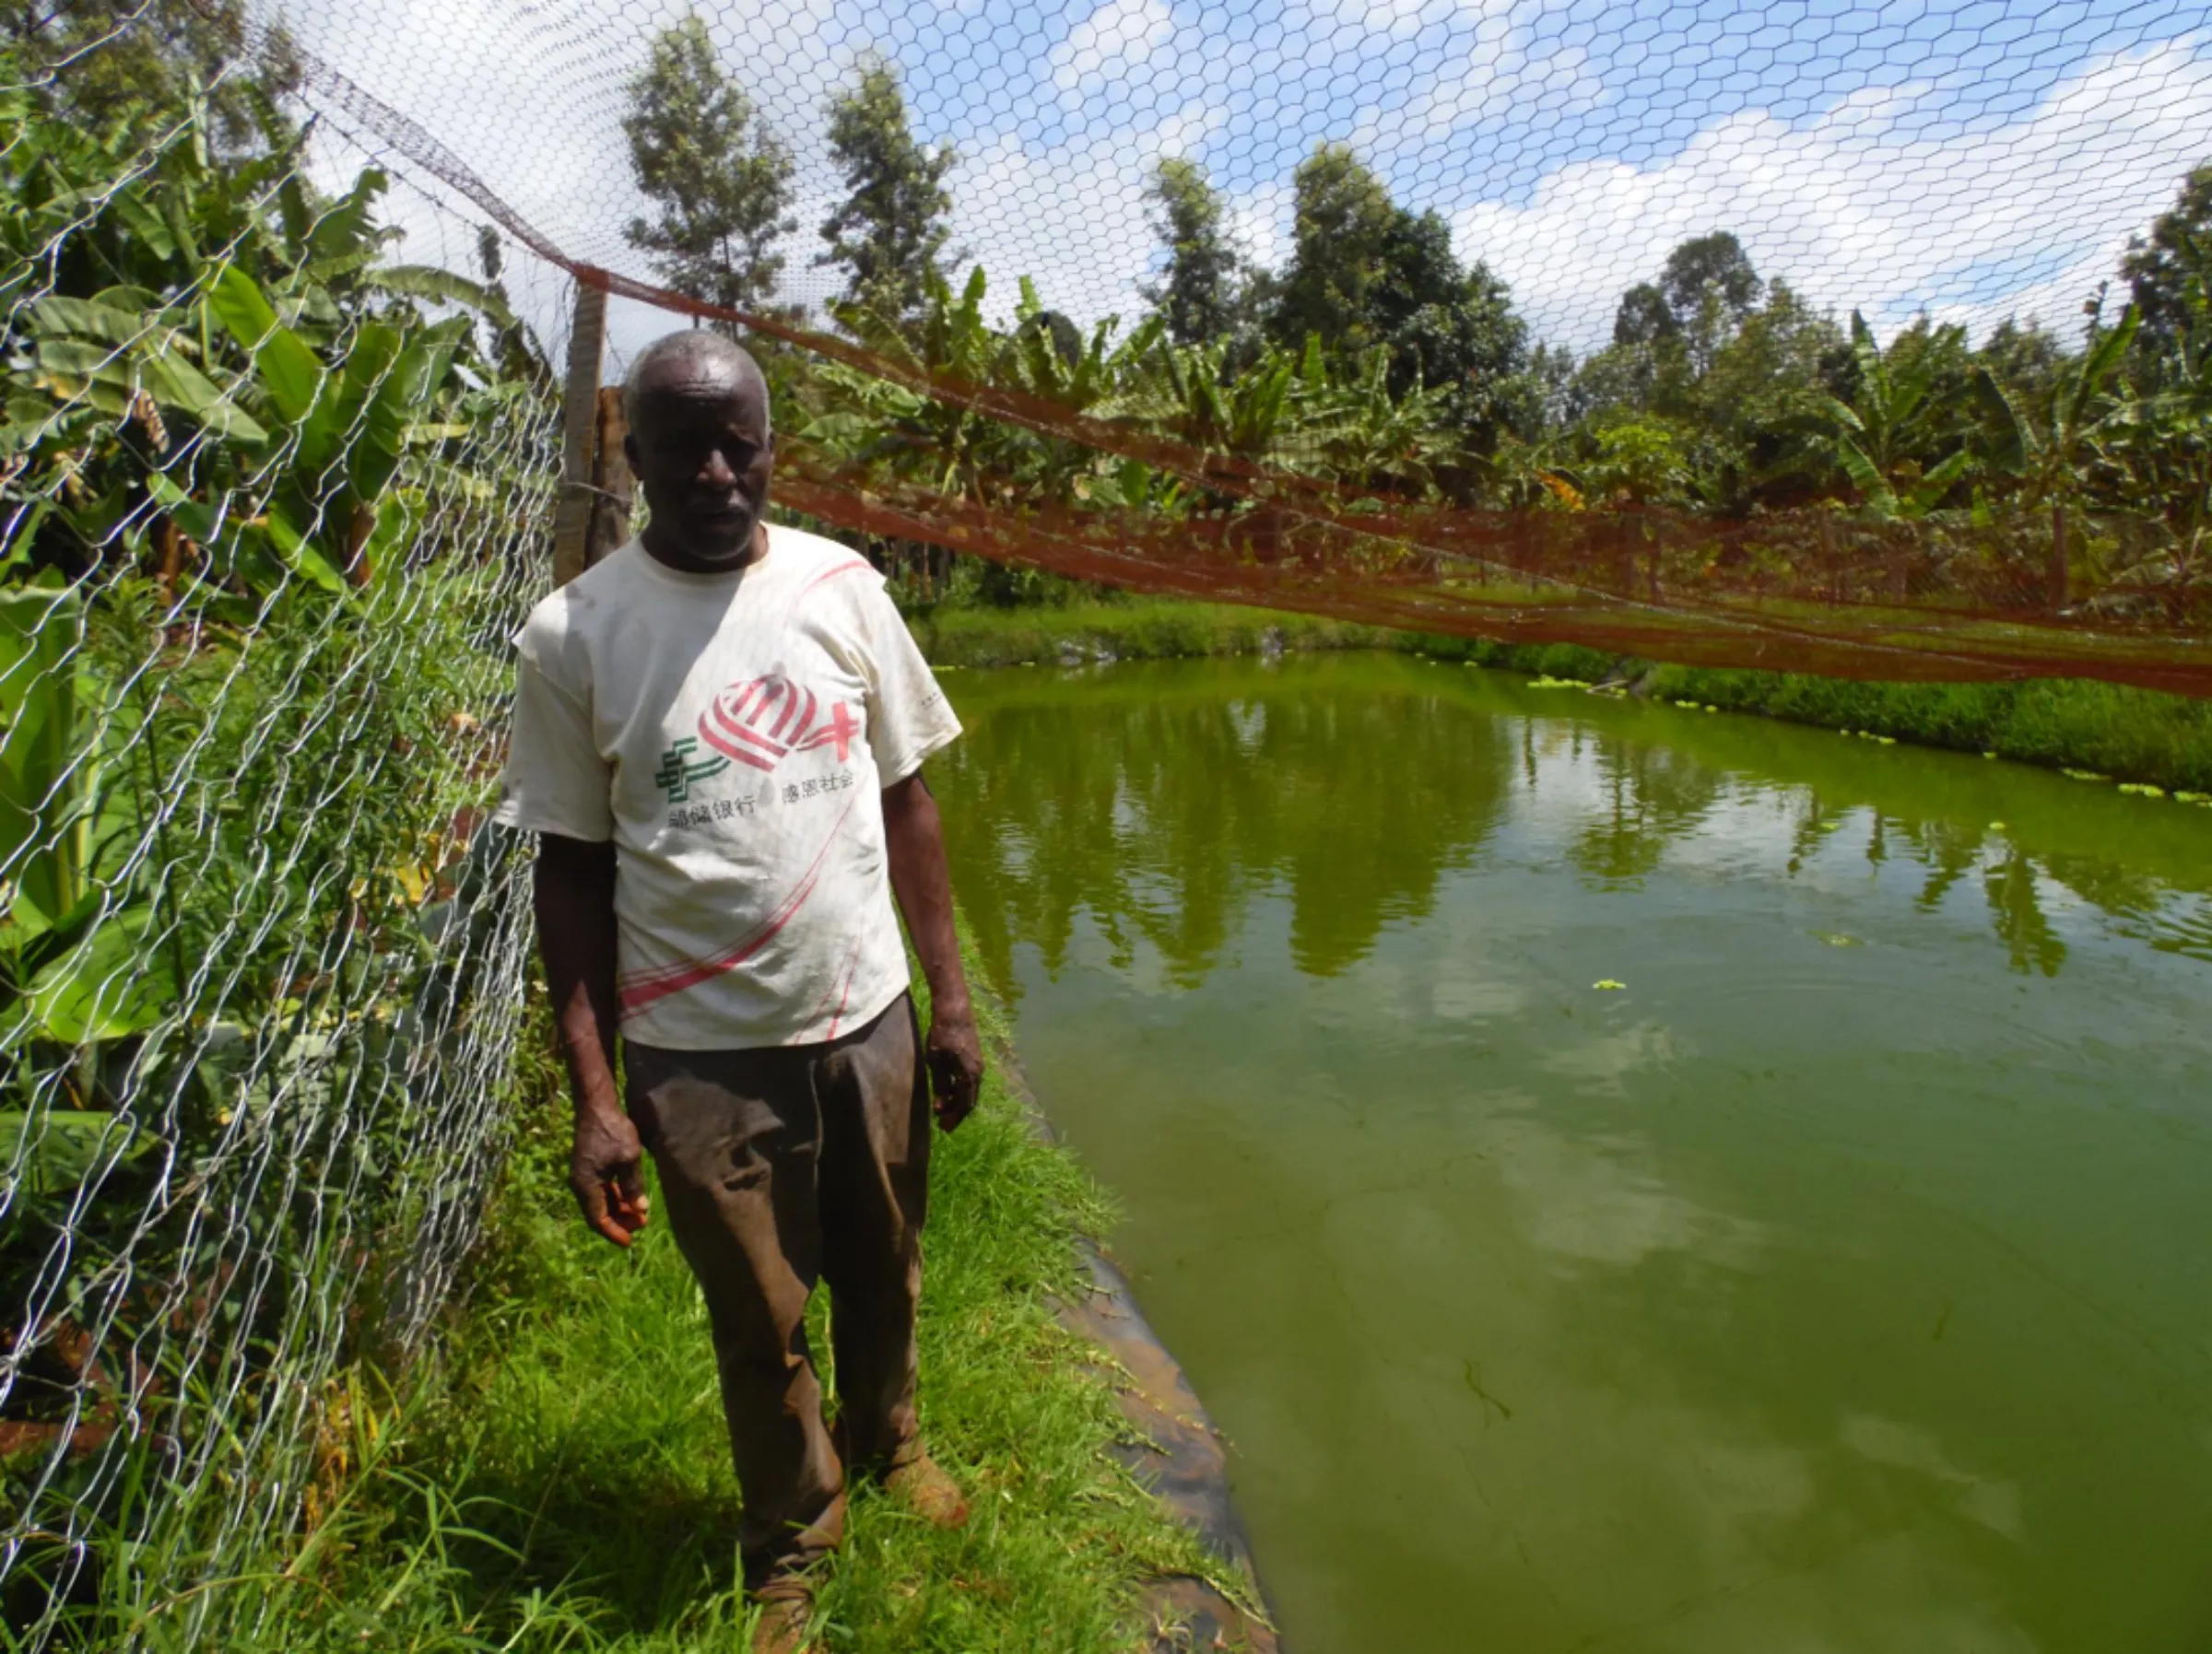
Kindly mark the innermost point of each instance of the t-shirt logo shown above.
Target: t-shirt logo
(678, 769)
(764, 720)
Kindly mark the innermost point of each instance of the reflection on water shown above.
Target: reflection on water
(1161, 814)
(1156, 801)
(1841, 1283)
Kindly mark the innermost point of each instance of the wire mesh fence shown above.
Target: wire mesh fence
(273, 505)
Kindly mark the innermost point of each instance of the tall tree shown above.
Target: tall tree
(1712, 268)
(2025, 361)
(1710, 286)
(1682, 321)
(1445, 326)
(1414, 270)
(1761, 401)
(1343, 219)
(721, 179)
(1367, 273)
(2157, 266)
(1643, 317)
(888, 234)
(1197, 291)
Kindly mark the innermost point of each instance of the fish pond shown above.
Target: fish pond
(1624, 1179)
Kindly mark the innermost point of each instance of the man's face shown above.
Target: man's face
(702, 453)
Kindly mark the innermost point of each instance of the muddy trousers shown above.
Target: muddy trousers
(778, 1166)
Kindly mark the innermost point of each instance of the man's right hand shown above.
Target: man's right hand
(604, 1173)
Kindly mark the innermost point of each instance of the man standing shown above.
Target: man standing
(718, 738)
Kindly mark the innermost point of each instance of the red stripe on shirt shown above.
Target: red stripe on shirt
(646, 986)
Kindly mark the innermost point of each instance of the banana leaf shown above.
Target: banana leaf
(44, 829)
(52, 1151)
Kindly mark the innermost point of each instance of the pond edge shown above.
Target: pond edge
(1176, 1449)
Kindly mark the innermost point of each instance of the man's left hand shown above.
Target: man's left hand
(955, 1055)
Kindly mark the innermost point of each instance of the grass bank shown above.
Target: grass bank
(2133, 737)
(561, 1479)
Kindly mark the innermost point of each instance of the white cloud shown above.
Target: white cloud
(1073, 217)
(1261, 222)
(1121, 35)
(1407, 18)
(1863, 207)
(1497, 76)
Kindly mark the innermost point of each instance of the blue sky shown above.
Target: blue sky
(1980, 159)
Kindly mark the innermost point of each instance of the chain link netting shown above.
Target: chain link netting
(273, 506)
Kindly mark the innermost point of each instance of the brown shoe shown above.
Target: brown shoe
(928, 1492)
(786, 1605)
(782, 1627)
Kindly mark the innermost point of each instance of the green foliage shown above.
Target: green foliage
(2131, 734)
(1198, 292)
(721, 179)
(1446, 328)
(1079, 632)
(2127, 734)
(1377, 359)
(1878, 435)
(1701, 297)
(1644, 316)
(219, 332)
(1709, 270)
(2025, 361)
(1376, 284)
(2158, 446)
(888, 233)
(45, 829)
(2031, 472)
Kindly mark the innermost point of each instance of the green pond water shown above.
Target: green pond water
(1843, 1281)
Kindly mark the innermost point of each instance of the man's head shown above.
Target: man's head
(700, 446)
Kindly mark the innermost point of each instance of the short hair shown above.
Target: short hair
(693, 344)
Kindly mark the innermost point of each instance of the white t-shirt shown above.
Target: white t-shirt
(731, 733)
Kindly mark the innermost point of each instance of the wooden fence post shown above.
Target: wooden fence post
(578, 419)
(611, 479)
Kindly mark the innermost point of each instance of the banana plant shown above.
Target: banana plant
(332, 507)
(950, 445)
(1049, 357)
(2049, 448)
(74, 956)
(1194, 397)
(246, 371)
(2162, 447)
(1874, 439)
(1357, 433)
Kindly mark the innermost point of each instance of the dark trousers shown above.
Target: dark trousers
(779, 1166)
